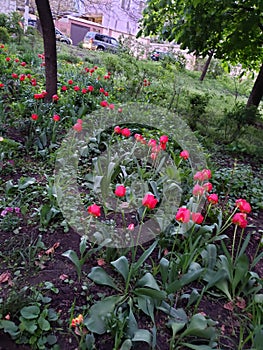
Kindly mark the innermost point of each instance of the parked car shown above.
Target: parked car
(63, 38)
(97, 41)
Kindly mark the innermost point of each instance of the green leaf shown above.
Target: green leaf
(100, 276)
(51, 339)
(25, 182)
(43, 324)
(184, 280)
(30, 312)
(199, 327)
(241, 270)
(72, 256)
(28, 325)
(10, 328)
(98, 313)
(83, 245)
(164, 269)
(198, 347)
(126, 345)
(177, 315)
(144, 256)
(132, 325)
(176, 327)
(122, 266)
(148, 281)
(153, 293)
(143, 335)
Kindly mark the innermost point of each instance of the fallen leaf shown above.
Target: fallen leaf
(229, 306)
(52, 249)
(241, 303)
(101, 262)
(63, 277)
(5, 277)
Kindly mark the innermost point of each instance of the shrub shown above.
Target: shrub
(4, 36)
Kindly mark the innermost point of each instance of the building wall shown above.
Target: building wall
(8, 6)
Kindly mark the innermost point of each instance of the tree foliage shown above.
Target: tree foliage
(231, 29)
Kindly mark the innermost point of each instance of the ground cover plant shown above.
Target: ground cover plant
(124, 224)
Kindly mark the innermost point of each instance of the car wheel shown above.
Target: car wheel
(100, 48)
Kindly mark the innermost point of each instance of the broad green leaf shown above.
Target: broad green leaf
(144, 256)
(258, 298)
(164, 269)
(43, 324)
(100, 276)
(199, 327)
(28, 325)
(10, 328)
(147, 305)
(153, 293)
(83, 245)
(177, 315)
(30, 312)
(126, 345)
(184, 280)
(176, 327)
(241, 270)
(98, 313)
(143, 335)
(148, 281)
(122, 266)
(72, 256)
(214, 277)
(51, 339)
(25, 182)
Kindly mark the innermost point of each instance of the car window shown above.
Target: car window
(114, 41)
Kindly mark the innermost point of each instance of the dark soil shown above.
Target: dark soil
(57, 266)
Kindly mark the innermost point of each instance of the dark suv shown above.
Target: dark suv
(97, 41)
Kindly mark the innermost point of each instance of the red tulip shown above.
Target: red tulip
(149, 201)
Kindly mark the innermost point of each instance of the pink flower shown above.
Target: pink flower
(240, 220)
(207, 186)
(22, 77)
(205, 174)
(77, 127)
(197, 218)
(164, 139)
(90, 88)
(101, 262)
(76, 88)
(56, 118)
(80, 121)
(94, 210)
(111, 106)
(131, 227)
(104, 103)
(119, 110)
(153, 156)
(8, 59)
(152, 143)
(120, 191)
(106, 93)
(64, 88)
(34, 116)
(70, 81)
(55, 97)
(184, 154)
(2, 85)
(102, 90)
(84, 91)
(14, 75)
(213, 198)
(183, 215)
(149, 201)
(23, 64)
(126, 132)
(117, 129)
(243, 206)
(198, 190)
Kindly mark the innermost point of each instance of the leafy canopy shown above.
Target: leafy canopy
(231, 29)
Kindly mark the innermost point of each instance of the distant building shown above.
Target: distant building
(8, 6)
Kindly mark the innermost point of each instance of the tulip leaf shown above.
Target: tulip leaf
(144, 256)
(143, 335)
(100, 276)
(122, 266)
(148, 281)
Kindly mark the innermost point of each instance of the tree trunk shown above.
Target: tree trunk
(205, 69)
(257, 90)
(49, 37)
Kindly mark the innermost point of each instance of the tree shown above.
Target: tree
(48, 31)
(231, 29)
